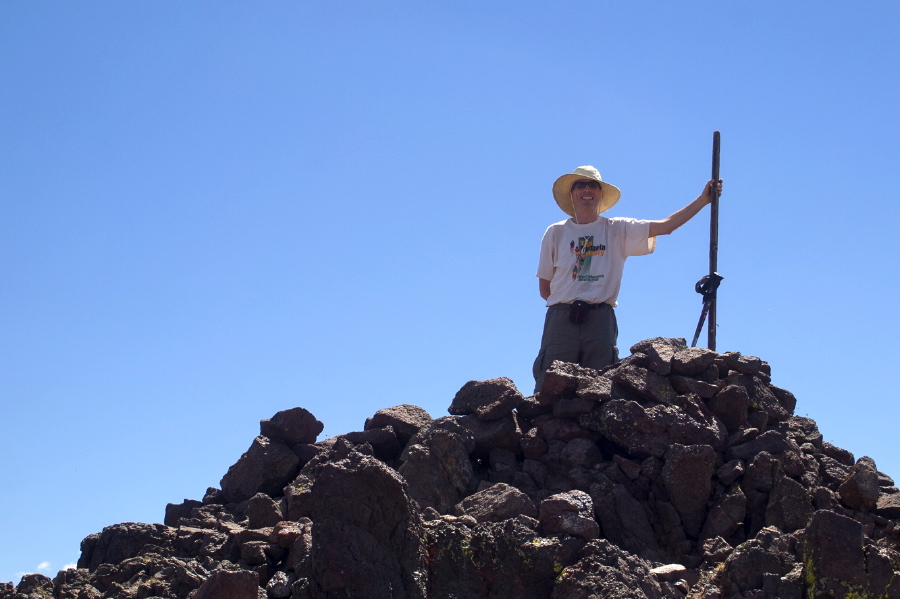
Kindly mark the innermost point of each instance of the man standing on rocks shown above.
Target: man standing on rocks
(581, 264)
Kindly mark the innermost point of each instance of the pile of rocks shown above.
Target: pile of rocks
(678, 472)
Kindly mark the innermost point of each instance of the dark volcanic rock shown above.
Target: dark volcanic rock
(562, 380)
(35, 585)
(122, 541)
(771, 441)
(293, 427)
(764, 562)
(726, 515)
(489, 400)
(569, 513)
(624, 520)
(223, 584)
(790, 506)
(731, 405)
(603, 566)
(383, 441)
(496, 503)
(366, 533)
(659, 351)
(405, 419)
(506, 560)
(692, 361)
(888, 505)
(651, 431)
(438, 470)
(264, 468)
(678, 472)
(860, 489)
(645, 383)
(687, 476)
(834, 553)
(502, 433)
(263, 511)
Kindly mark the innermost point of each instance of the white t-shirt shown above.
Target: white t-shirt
(586, 262)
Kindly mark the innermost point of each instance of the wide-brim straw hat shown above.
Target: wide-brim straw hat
(563, 186)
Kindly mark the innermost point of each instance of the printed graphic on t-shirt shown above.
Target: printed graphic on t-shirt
(584, 253)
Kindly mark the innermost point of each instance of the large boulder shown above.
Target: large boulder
(650, 431)
(34, 585)
(659, 351)
(264, 468)
(860, 490)
(569, 513)
(644, 382)
(496, 503)
(501, 433)
(367, 536)
(731, 405)
(833, 549)
(767, 561)
(406, 420)
(607, 571)
(293, 427)
(438, 470)
(224, 584)
(624, 520)
(489, 400)
(687, 476)
(500, 560)
(384, 442)
(790, 506)
(726, 515)
(562, 380)
(122, 541)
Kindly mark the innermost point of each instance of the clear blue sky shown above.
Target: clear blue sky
(213, 211)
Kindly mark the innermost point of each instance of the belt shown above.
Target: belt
(586, 304)
(600, 305)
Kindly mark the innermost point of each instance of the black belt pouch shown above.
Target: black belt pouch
(578, 312)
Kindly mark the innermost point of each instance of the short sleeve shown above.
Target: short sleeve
(637, 240)
(547, 259)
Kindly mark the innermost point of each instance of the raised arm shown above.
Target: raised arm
(675, 220)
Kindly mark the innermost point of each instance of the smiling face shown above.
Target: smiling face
(586, 196)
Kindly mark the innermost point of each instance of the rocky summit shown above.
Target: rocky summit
(678, 472)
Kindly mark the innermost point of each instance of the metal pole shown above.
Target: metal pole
(713, 242)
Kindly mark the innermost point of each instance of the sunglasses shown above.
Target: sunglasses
(583, 184)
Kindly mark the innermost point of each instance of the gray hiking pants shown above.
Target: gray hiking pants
(591, 344)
